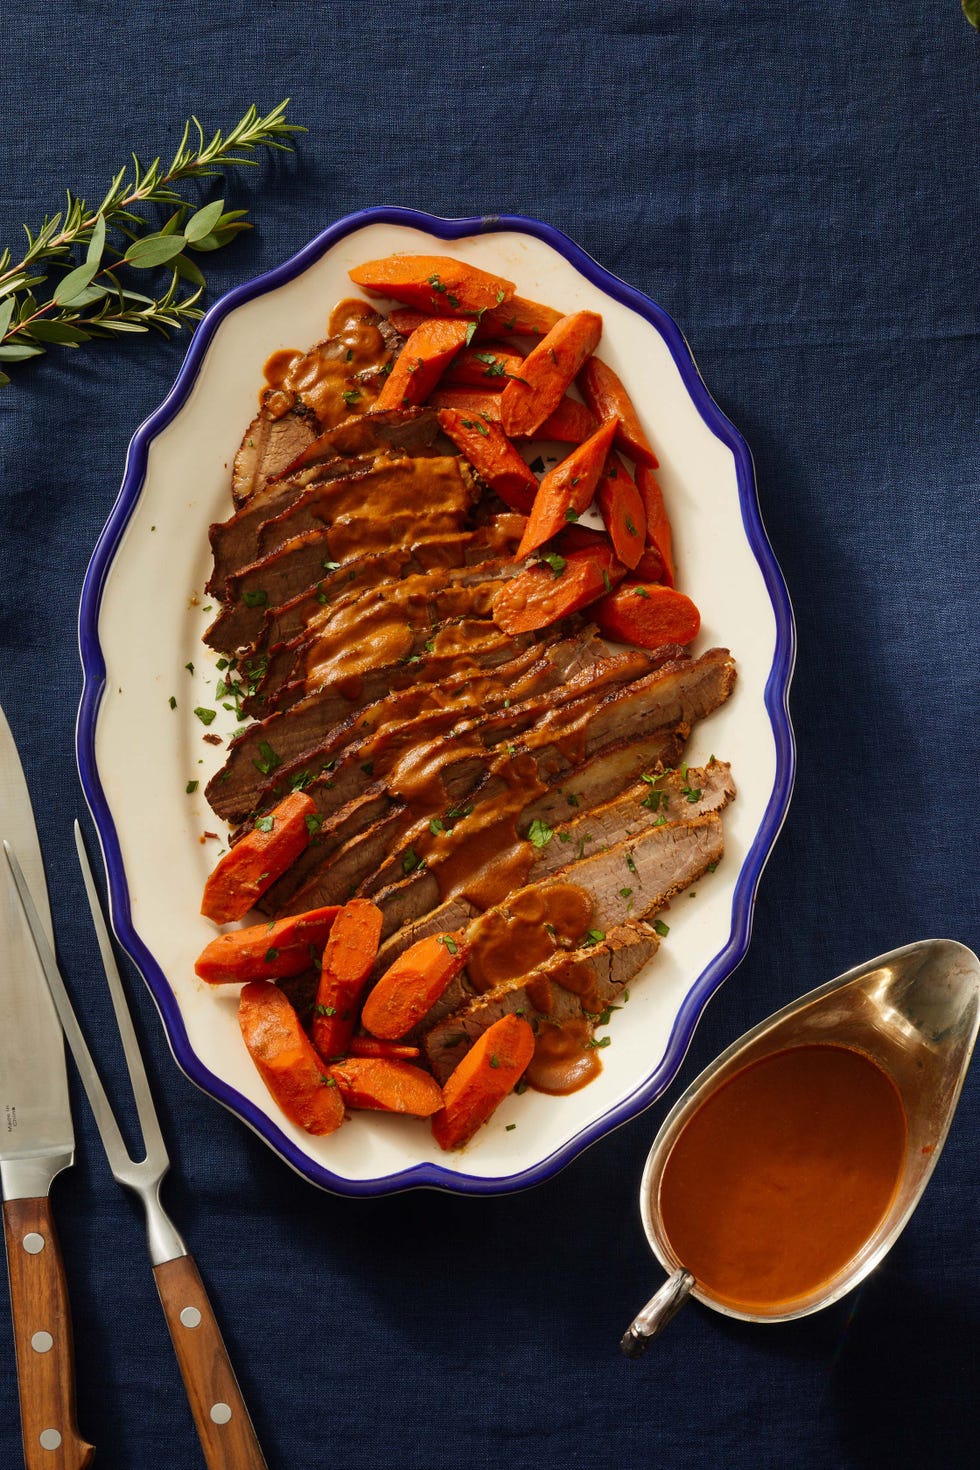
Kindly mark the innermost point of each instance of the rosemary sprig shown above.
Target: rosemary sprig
(86, 297)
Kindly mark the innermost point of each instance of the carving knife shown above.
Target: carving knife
(37, 1142)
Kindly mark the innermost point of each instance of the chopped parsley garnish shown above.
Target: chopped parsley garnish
(270, 955)
(555, 562)
(494, 1062)
(313, 823)
(537, 465)
(268, 759)
(205, 715)
(605, 580)
(264, 824)
(641, 592)
(330, 566)
(449, 942)
(410, 861)
(571, 514)
(630, 863)
(173, 701)
(351, 395)
(630, 526)
(595, 936)
(435, 826)
(539, 833)
(191, 787)
(661, 928)
(596, 1044)
(625, 892)
(189, 668)
(256, 598)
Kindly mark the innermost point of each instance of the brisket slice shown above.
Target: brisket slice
(653, 865)
(359, 507)
(272, 600)
(347, 762)
(562, 736)
(490, 848)
(375, 626)
(258, 758)
(358, 444)
(372, 852)
(269, 445)
(559, 990)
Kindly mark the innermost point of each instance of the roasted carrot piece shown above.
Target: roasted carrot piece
(647, 615)
(405, 319)
(437, 284)
(288, 1064)
(370, 1046)
(412, 985)
(567, 490)
(623, 513)
(490, 366)
(254, 863)
(658, 524)
(421, 363)
(603, 391)
(650, 567)
(519, 317)
(555, 588)
(548, 371)
(492, 455)
(386, 1085)
(490, 1069)
(266, 951)
(571, 422)
(347, 959)
(583, 538)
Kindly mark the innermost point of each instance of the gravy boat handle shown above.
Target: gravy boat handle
(661, 1309)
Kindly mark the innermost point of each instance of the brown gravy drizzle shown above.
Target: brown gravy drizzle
(509, 941)
(349, 363)
(563, 1061)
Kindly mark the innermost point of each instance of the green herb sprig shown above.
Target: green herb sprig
(85, 298)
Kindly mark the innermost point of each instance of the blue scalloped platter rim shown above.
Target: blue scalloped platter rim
(426, 1174)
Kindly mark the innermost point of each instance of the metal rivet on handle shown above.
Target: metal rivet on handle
(50, 1439)
(190, 1317)
(42, 1342)
(33, 1243)
(220, 1413)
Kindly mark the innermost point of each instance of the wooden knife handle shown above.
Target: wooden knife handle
(222, 1420)
(42, 1337)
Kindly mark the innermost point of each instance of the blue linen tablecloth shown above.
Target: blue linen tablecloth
(799, 188)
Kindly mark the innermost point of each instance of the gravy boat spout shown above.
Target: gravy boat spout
(914, 1012)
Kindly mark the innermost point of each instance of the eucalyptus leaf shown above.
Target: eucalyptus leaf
(75, 281)
(96, 244)
(4, 380)
(971, 9)
(17, 353)
(186, 270)
(6, 312)
(44, 331)
(154, 250)
(86, 297)
(203, 222)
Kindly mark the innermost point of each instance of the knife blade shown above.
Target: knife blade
(37, 1142)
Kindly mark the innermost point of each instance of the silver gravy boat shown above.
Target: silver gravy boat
(916, 1012)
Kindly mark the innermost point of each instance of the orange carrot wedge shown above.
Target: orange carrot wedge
(370, 1046)
(492, 455)
(658, 525)
(387, 1086)
(650, 567)
(412, 985)
(555, 588)
(623, 513)
(481, 367)
(647, 615)
(290, 1068)
(436, 284)
(347, 959)
(254, 863)
(567, 490)
(571, 422)
(266, 951)
(520, 318)
(608, 399)
(488, 1072)
(421, 363)
(548, 371)
(405, 319)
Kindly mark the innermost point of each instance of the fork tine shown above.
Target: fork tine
(156, 1149)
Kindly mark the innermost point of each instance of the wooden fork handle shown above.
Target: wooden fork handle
(42, 1338)
(223, 1425)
